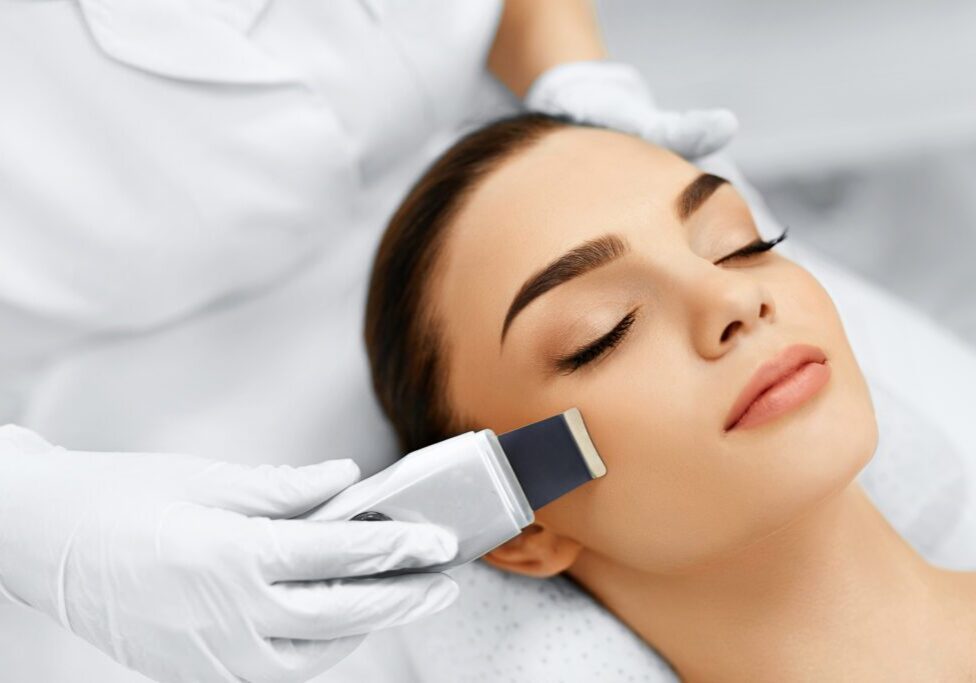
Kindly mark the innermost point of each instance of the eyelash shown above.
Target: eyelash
(595, 349)
(590, 352)
(757, 246)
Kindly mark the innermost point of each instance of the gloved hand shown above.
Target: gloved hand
(614, 95)
(187, 569)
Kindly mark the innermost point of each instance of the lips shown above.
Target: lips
(770, 374)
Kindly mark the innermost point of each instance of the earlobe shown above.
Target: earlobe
(538, 551)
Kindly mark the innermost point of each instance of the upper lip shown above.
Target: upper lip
(769, 373)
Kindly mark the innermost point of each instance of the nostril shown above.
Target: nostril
(730, 330)
(764, 310)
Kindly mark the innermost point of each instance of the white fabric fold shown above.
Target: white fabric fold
(198, 40)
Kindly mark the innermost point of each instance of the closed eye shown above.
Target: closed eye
(755, 247)
(590, 352)
(595, 349)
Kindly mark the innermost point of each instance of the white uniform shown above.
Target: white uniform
(169, 169)
(190, 195)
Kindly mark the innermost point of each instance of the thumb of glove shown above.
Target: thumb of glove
(691, 134)
(614, 95)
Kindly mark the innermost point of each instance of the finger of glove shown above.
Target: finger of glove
(305, 550)
(269, 490)
(301, 660)
(259, 659)
(692, 134)
(323, 610)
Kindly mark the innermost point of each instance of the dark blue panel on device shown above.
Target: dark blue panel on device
(546, 460)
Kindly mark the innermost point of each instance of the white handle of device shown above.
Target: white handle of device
(464, 484)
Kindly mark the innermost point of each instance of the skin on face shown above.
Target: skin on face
(680, 491)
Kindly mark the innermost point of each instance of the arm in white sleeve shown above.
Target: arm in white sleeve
(188, 569)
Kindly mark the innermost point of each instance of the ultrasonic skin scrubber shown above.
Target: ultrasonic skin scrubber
(482, 487)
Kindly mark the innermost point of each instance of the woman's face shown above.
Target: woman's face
(680, 489)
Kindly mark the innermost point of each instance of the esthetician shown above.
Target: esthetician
(164, 165)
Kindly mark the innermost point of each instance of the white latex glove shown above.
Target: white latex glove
(187, 569)
(614, 95)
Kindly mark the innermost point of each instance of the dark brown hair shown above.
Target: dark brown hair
(403, 337)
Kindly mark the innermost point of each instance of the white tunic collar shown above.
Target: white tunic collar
(197, 40)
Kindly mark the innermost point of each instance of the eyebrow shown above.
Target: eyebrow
(602, 250)
(695, 194)
(573, 263)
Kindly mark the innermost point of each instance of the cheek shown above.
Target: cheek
(838, 430)
(791, 464)
(659, 433)
(678, 491)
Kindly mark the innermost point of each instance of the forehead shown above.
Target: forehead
(571, 186)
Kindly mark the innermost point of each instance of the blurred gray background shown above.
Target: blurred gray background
(858, 123)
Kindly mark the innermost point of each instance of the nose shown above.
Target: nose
(726, 305)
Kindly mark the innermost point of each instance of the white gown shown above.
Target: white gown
(189, 201)
(190, 195)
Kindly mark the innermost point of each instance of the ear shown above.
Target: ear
(538, 551)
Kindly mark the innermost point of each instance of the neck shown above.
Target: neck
(837, 592)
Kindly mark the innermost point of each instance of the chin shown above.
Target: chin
(811, 455)
(841, 440)
(847, 425)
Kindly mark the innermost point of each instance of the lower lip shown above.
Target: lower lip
(790, 392)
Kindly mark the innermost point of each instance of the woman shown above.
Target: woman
(540, 265)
